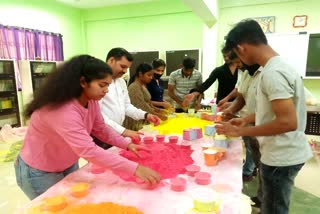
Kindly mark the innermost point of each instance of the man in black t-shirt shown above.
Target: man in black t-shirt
(227, 76)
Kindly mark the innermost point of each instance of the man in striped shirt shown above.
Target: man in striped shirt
(182, 81)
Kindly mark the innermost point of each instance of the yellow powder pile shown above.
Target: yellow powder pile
(177, 125)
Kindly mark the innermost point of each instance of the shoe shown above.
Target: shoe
(247, 178)
(256, 202)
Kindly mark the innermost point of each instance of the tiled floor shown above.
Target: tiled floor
(11, 196)
(305, 197)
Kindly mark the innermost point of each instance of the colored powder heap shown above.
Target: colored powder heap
(102, 208)
(167, 159)
(177, 125)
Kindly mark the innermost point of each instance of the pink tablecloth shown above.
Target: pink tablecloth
(108, 187)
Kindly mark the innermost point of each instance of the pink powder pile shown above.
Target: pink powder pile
(167, 159)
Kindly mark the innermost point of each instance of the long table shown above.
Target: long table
(108, 187)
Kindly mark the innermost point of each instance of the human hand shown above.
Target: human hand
(240, 122)
(153, 119)
(224, 106)
(135, 140)
(130, 133)
(167, 105)
(148, 175)
(226, 128)
(187, 99)
(197, 106)
(184, 104)
(136, 148)
(221, 102)
(227, 115)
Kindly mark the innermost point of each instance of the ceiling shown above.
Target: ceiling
(99, 3)
(222, 3)
(240, 3)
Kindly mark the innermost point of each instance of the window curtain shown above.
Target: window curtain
(27, 44)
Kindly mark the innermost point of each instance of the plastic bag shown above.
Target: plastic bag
(7, 135)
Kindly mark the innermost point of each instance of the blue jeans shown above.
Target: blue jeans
(34, 182)
(276, 186)
(252, 155)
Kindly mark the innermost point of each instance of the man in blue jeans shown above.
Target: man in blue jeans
(280, 117)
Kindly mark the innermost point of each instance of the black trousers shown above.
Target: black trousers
(180, 110)
(101, 143)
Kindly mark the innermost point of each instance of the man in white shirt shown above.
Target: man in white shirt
(116, 103)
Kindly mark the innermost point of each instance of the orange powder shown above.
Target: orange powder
(102, 208)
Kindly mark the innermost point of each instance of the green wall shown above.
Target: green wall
(47, 15)
(284, 13)
(160, 25)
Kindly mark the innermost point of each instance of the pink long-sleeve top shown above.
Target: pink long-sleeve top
(57, 137)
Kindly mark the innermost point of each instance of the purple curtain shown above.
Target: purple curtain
(21, 43)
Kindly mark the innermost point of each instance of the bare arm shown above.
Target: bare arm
(198, 102)
(172, 95)
(230, 96)
(285, 121)
(163, 104)
(190, 97)
(237, 104)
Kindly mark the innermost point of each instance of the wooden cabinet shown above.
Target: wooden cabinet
(9, 108)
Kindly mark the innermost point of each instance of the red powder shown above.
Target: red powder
(167, 159)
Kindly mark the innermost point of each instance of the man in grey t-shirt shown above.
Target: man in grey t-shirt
(280, 117)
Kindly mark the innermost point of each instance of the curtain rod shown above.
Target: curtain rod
(30, 30)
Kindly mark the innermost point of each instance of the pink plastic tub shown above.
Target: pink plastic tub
(192, 169)
(160, 138)
(173, 139)
(178, 184)
(148, 140)
(202, 178)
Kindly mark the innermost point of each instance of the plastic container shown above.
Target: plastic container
(209, 130)
(178, 184)
(211, 157)
(191, 112)
(160, 138)
(213, 108)
(135, 139)
(186, 144)
(192, 169)
(219, 117)
(80, 190)
(199, 132)
(173, 139)
(221, 141)
(189, 134)
(206, 200)
(205, 146)
(221, 151)
(148, 139)
(203, 178)
(56, 203)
